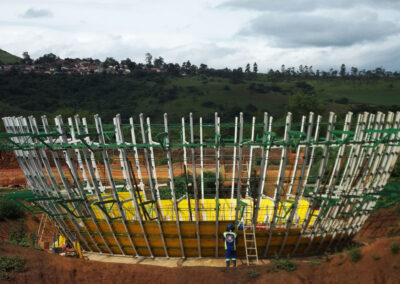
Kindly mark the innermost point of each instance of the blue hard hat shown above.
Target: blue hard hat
(230, 227)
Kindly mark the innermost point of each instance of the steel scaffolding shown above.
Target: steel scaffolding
(147, 189)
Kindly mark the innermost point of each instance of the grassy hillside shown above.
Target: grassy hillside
(158, 93)
(8, 58)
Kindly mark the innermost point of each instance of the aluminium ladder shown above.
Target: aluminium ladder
(249, 237)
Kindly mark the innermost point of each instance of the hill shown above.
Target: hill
(154, 94)
(8, 58)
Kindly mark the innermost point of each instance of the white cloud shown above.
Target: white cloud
(37, 13)
(321, 33)
(321, 30)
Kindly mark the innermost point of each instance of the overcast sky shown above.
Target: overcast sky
(320, 33)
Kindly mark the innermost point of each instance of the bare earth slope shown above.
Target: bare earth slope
(43, 267)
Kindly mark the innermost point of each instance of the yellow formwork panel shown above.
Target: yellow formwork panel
(207, 208)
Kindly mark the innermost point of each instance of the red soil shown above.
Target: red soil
(42, 267)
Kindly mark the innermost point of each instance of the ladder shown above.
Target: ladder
(249, 237)
(42, 226)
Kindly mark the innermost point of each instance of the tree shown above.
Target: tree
(110, 62)
(203, 68)
(255, 68)
(159, 62)
(247, 70)
(149, 59)
(342, 72)
(354, 71)
(300, 104)
(26, 59)
(47, 59)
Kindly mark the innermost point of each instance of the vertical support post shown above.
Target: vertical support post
(75, 178)
(217, 161)
(137, 161)
(151, 183)
(279, 183)
(196, 190)
(95, 185)
(239, 162)
(130, 181)
(201, 163)
(153, 167)
(172, 184)
(300, 184)
(185, 169)
(233, 167)
(263, 167)
(250, 161)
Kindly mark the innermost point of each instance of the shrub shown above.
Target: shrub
(18, 235)
(8, 264)
(375, 257)
(394, 248)
(253, 273)
(315, 262)
(355, 254)
(286, 265)
(9, 209)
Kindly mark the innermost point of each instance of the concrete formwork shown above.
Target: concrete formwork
(166, 189)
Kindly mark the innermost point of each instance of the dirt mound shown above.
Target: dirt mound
(382, 223)
(377, 265)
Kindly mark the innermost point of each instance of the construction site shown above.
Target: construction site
(131, 187)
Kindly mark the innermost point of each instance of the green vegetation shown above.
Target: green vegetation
(156, 93)
(394, 248)
(285, 264)
(253, 273)
(18, 235)
(354, 254)
(9, 210)
(375, 256)
(8, 58)
(10, 264)
(315, 262)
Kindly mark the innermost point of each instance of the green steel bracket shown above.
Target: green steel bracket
(385, 139)
(295, 138)
(337, 133)
(82, 136)
(242, 205)
(76, 204)
(270, 137)
(359, 203)
(102, 207)
(331, 202)
(285, 209)
(162, 138)
(20, 198)
(218, 139)
(146, 210)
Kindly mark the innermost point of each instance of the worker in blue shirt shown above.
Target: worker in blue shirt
(230, 241)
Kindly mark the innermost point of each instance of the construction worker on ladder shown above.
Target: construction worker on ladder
(230, 241)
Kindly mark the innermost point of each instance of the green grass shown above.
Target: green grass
(354, 254)
(10, 264)
(375, 256)
(315, 262)
(8, 58)
(394, 248)
(285, 264)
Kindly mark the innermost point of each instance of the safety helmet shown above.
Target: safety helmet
(230, 227)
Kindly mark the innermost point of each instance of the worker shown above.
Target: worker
(230, 241)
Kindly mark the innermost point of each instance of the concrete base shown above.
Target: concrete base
(165, 262)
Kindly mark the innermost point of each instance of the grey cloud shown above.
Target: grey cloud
(312, 30)
(306, 5)
(37, 13)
